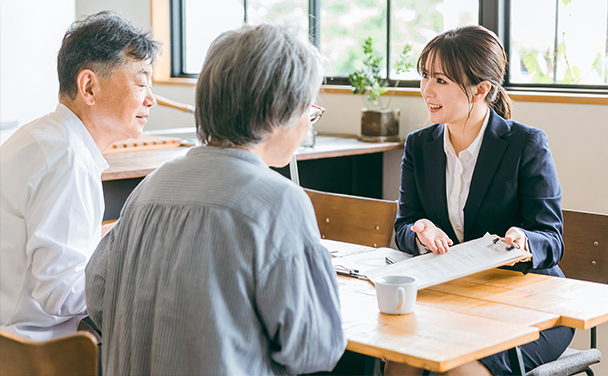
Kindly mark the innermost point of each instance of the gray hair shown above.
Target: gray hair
(101, 42)
(255, 78)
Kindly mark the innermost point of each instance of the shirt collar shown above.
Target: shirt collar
(78, 129)
(475, 146)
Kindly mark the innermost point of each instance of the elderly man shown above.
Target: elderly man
(51, 192)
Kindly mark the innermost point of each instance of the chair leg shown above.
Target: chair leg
(517, 362)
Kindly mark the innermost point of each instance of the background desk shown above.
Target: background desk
(335, 164)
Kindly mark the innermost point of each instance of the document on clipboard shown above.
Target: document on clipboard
(354, 260)
(463, 259)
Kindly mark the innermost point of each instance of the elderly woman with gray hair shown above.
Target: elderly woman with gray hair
(216, 265)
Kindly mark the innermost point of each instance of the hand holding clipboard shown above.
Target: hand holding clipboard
(516, 238)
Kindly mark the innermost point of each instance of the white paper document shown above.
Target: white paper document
(460, 260)
(362, 263)
(341, 249)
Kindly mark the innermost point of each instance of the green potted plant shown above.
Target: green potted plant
(378, 123)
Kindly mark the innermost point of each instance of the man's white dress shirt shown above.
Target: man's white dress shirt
(50, 222)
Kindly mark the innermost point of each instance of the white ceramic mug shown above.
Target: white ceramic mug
(396, 294)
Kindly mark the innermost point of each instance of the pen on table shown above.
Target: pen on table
(352, 274)
(389, 260)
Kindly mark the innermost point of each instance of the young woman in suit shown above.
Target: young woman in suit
(475, 171)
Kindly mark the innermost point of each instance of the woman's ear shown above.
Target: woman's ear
(87, 82)
(481, 91)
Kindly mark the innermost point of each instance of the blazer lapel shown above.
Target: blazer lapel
(490, 155)
(434, 168)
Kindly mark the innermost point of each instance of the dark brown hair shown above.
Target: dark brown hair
(470, 55)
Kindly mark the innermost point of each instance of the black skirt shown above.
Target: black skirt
(549, 346)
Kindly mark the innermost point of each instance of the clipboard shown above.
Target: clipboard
(463, 259)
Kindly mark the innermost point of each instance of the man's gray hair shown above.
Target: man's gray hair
(255, 78)
(101, 42)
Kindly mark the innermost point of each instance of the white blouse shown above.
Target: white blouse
(458, 175)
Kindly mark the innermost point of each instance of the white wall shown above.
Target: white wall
(578, 136)
(31, 34)
(136, 10)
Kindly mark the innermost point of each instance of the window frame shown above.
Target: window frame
(493, 14)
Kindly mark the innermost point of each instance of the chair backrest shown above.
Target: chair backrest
(66, 356)
(354, 219)
(586, 241)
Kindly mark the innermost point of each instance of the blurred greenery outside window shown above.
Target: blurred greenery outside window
(552, 44)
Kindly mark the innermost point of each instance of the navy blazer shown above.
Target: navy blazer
(514, 184)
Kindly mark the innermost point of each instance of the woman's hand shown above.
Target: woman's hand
(516, 236)
(431, 236)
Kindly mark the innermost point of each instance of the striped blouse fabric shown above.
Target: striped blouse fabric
(215, 268)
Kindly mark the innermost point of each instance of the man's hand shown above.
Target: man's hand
(431, 236)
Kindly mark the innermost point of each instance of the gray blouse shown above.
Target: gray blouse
(215, 268)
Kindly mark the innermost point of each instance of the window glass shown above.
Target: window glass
(552, 42)
(204, 21)
(345, 24)
(417, 21)
(292, 13)
(559, 42)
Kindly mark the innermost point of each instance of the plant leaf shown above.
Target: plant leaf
(531, 63)
(600, 65)
(367, 80)
(404, 63)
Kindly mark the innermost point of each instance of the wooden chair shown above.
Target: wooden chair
(586, 241)
(74, 355)
(354, 219)
(586, 258)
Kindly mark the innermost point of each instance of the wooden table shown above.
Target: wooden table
(468, 318)
(579, 304)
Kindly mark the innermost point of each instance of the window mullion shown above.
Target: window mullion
(244, 11)
(495, 15)
(388, 40)
(492, 15)
(178, 41)
(314, 24)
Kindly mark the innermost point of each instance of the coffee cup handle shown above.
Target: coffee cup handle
(400, 297)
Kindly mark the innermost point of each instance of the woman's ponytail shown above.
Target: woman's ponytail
(502, 103)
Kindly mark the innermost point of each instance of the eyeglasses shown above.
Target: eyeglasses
(315, 113)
